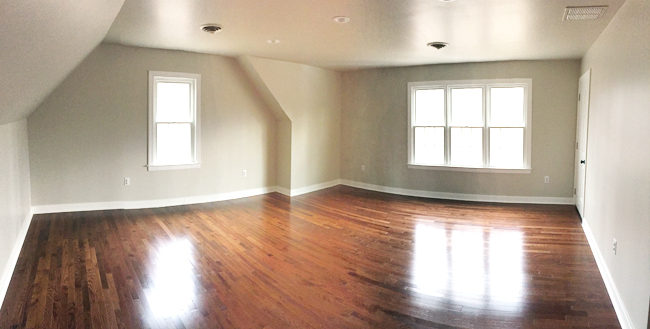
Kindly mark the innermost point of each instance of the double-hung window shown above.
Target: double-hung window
(478, 125)
(174, 113)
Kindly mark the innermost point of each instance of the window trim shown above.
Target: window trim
(485, 84)
(195, 99)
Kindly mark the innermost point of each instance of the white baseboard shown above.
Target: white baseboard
(459, 196)
(92, 206)
(617, 301)
(283, 190)
(56, 208)
(313, 188)
(13, 257)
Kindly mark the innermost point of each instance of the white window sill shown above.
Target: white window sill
(473, 169)
(174, 167)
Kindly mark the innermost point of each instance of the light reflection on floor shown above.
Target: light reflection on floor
(469, 266)
(172, 279)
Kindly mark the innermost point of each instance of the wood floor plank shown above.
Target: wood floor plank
(337, 258)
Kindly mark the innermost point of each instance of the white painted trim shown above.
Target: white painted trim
(194, 80)
(315, 187)
(91, 206)
(485, 85)
(13, 257)
(473, 169)
(173, 167)
(459, 196)
(283, 190)
(56, 208)
(617, 301)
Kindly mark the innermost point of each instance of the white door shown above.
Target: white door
(581, 141)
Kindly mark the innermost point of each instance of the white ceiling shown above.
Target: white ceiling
(41, 42)
(380, 33)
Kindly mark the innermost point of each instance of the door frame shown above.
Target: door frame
(584, 78)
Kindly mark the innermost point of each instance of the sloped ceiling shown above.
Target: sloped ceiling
(380, 32)
(41, 42)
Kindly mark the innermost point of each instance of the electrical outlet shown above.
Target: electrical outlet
(127, 181)
(547, 179)
(244, 173)
(615, 246)
(363, 167)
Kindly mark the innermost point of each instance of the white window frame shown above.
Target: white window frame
(447, 85)
(195, 98)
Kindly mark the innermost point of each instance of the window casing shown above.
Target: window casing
(174, 121)
(470, 125)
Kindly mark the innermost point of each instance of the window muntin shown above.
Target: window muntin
(485, 125)
(174, 113)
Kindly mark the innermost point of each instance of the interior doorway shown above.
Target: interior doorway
(581, 142)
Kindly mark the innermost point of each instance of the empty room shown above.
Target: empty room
(325, 164)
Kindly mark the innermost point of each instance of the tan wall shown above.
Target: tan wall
(374, 128)
(617, 197)
(310, 97)
(14, 192)
(91, 132)
(284, 154)
(283, 131)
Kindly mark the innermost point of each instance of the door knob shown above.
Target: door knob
(582, 161)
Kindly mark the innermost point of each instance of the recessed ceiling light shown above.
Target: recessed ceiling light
(446, 0)
(437, 44)
(211, 28)
(273, 41)
(341, 19)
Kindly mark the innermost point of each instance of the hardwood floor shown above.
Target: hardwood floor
(337, 258)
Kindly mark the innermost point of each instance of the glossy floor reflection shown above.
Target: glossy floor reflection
(337, 258)
(473, 266)
(171, 284)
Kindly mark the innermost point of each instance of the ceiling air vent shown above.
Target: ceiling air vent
(438, 45)
(211, 28)
(583, 13)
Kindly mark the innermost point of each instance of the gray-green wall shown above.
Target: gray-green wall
(374, 129)
(91, 132)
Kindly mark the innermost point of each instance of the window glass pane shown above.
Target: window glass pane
(507, 107)
(430, 145)
(467, 146)
(467, 107)
(174, 143)
(173, 102)
(507, 147)
(430, 107)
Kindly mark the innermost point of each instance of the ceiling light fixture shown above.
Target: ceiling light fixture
(273, 41)
(341, 19)
(437, 44)
(211, 28)
(446, 0)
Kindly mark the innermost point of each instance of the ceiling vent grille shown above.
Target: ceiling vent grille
(583, 13)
